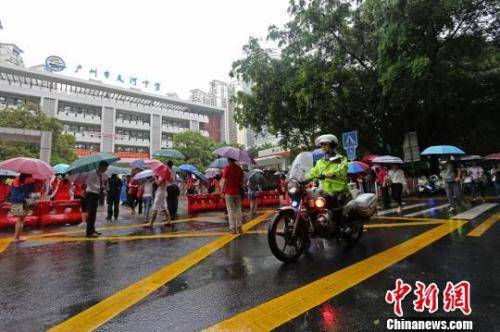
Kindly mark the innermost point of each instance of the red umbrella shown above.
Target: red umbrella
(493, 156)
(164, 172)
(369, 158)
(38, 168)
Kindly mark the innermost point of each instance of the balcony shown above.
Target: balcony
(173, 129)
(81, 118)
(85, 137)
(125, 140)
(132, 124)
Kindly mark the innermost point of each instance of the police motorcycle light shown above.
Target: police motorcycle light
(320, 202)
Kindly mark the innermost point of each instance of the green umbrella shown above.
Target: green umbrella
(118, 170)
(90, 162)
(169, 153)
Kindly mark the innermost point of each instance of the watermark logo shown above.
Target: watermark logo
(455, 297)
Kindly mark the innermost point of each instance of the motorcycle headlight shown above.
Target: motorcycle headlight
(293, 187)
(320, 202)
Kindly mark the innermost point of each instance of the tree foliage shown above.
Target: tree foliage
(197, 148)
(30, 117)
(384, 67)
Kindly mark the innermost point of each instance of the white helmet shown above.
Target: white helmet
(328, 138)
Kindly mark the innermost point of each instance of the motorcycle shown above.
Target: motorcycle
(312, 214)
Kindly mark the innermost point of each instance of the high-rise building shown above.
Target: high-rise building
(11, 54)
(200, 97)
(220, 95)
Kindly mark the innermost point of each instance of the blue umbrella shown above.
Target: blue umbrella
(188, 168)
(442, 149)
(60, 168)
(218, 163)
(138, 163)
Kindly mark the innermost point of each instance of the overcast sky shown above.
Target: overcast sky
(183, 44)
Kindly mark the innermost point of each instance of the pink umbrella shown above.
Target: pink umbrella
(212, 172)
(153, 164)
(493, 156)
(38, 168)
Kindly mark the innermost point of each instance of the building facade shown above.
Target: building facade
(128, 122)
(11, 54)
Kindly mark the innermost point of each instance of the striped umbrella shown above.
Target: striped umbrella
(387, 160)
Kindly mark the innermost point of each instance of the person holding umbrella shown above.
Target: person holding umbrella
(396, 178)
(232, 184)
(20, 192)
(451, 176)
(160, 201)
(113, 199)
(173, 192)
(95, 188)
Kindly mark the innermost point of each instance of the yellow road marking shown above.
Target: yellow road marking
(4, 243)
(410, 218)
(484, 226)
(105, 310)
(127, 238)
(280, 310)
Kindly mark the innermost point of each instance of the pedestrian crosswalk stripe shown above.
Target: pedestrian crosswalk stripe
(284, 308)
(475, 212)
(484, 226)
(443, 206)
(407, 207)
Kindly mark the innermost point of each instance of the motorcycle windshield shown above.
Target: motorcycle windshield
(302, 164)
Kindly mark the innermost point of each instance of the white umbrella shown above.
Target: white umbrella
(387, 160)
(144, 174)
(6, 172)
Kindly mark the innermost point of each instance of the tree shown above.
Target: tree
(197, 148)
(380, 66)
(29, 116)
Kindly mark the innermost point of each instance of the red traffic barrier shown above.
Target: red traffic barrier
(60, 213)
(8, 219)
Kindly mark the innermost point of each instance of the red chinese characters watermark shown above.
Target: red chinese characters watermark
(397, 295)
(455, 297)
(427, 297)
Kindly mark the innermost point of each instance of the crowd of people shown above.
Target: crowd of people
(153, 195)
(455, 178)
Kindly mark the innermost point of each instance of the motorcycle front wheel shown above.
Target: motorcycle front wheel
(284, 246)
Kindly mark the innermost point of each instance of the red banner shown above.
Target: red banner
(81, 152)
(133, 155)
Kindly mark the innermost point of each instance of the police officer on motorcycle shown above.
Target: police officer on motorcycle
(332, 169)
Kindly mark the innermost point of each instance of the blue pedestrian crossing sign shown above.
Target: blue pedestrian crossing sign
(350, 139)
(351, 152)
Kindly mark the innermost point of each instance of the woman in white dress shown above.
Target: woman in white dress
(160, 201)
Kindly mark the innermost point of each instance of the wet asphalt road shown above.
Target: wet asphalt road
(48, 281)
